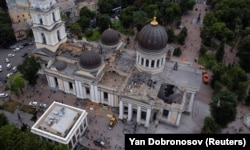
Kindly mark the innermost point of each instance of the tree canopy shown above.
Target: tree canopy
(210, 126)
(29, 69)
(14, 139)
(7, 36)
(223, 107)
(16, 84)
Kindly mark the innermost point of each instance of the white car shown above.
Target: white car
(3, 95)
(11, 55)
(8, 66)
(33, 103)
(43, 105)
(16, 49)
(14, 69)
(7, 60)
(1, 68)
(9, 74)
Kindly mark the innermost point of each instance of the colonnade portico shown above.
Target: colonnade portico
(138, 115)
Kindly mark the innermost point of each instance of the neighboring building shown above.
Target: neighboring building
(61, 124)
(91, 4)
(146, 85)
(68, 6)
(48, 28)
(19, 14)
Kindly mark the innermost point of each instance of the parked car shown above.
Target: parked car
(43, 105)
(205, 77)
(1, 68)
(9, 74)
(8, 66)
(20, 46)
(14, 69)
(11, 55)
(7, 60)
(12, 47)
(33, 103)
(2, 95)
(25, 54)
(16, 49)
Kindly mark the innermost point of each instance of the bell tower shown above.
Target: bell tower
(48, 28)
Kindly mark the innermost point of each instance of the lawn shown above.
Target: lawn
(28, 109)
(96, 35)
(10, 106)
(118, 26)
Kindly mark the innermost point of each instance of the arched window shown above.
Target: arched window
(147, 62)
(40, 19)
(53, 16)
(58, 35)
(43, 38)
(158, 62)
(152, 63)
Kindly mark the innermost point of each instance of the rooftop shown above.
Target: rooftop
(58, 121)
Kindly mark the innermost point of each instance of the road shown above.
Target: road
(16, 60)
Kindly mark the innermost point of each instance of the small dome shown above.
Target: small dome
(110, 37)
(152, 37)
(60, 65)
(90, 59)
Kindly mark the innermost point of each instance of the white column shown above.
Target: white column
(60, 84)
(129, 111)
(178, 119)
(169, 115)
(48, 80)
(138, 117)
(150, 61)
(191, 102)
(66, 86)
(84, 92)
(144, 62)
(92, 95)
(155, 63)
(97, 94)
(148, 117)
(121, 110)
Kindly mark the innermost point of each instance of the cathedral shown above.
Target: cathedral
(141, 83)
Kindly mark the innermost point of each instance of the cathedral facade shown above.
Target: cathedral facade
(140, 83)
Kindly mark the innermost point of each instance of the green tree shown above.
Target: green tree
(139, 19)
(126, 17)
(76, 29)
(105, 6)
(29, 69)
(220, 52)
(223, 107)
(7, 36)
(186, 5)
(86, 12)
(103, 22)
(172, 11)
(210, 126)
(209, 19)
(171, 35)
(3, 120)
(15, 139)
(177, 52)
(16, 84)
(3, 5)
(84, 22)
(244, 53)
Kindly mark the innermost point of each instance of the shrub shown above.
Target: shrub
(177, 52)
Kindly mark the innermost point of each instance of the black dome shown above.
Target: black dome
(60, 65)
(110, 37)
(152, 37)
(90, 59)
